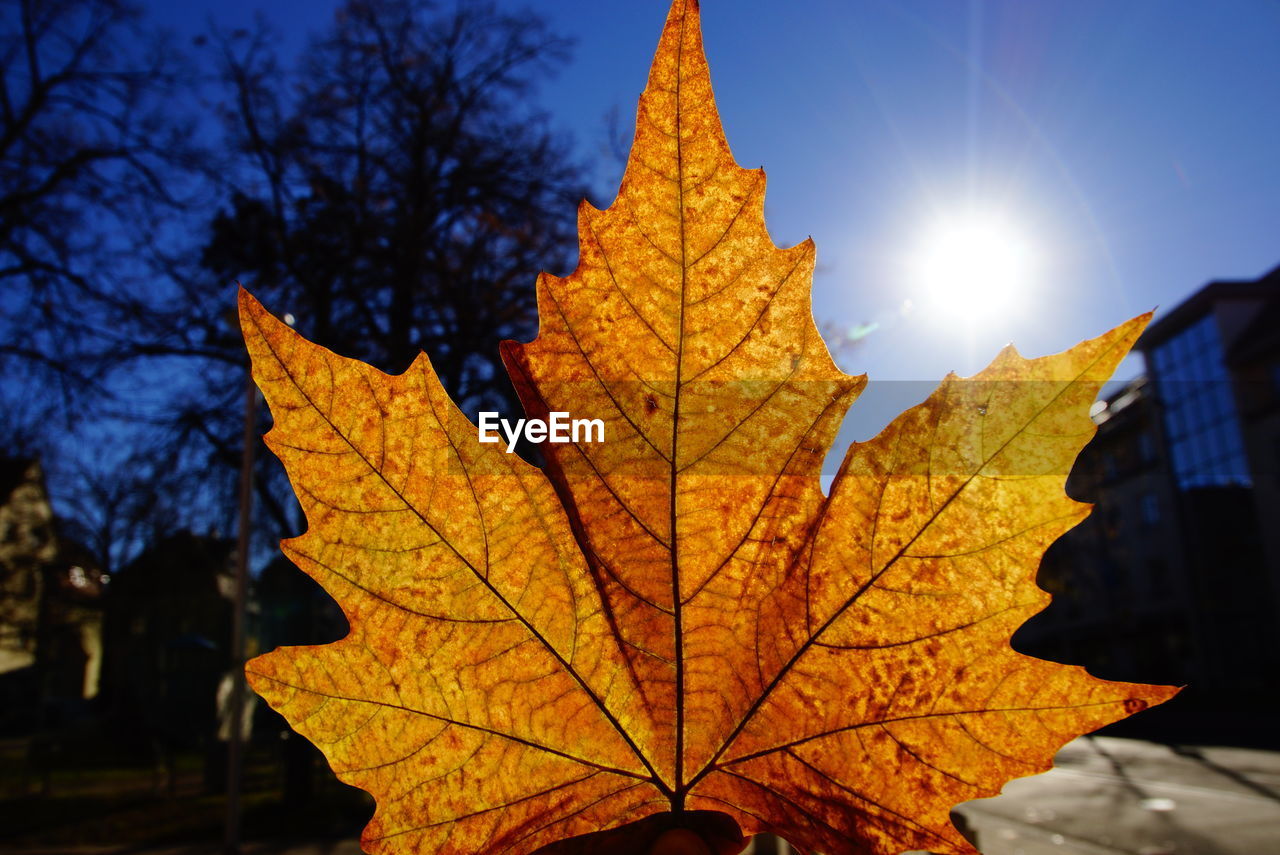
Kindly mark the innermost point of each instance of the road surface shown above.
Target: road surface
(1106, 796)
(1109, 796)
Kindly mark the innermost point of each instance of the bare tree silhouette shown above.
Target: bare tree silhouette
(90, 146)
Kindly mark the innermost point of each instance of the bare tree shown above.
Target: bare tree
(395, 192)
(404, 196)
(89, 139)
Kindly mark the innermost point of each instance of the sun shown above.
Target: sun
(972, 267)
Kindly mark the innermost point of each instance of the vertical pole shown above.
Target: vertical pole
(235, 744)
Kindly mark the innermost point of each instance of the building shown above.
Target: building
(1122, 603)
(50, 607)
(168, 640)
(1213, 362)
(1175, 577)
(27, 547)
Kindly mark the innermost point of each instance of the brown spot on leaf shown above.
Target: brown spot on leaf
(686, 622)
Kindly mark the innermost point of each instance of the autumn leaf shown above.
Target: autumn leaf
(676, 624)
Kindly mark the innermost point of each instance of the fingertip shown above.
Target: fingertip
(680, 841)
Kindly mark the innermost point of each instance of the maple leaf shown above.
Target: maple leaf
(676, 623)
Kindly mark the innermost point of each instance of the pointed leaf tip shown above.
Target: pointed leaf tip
(676, 620)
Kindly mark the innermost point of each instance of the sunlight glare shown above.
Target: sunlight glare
(973, 268)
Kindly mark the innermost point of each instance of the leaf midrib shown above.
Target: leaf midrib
(678, 794)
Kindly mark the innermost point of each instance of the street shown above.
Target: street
(1108, 796)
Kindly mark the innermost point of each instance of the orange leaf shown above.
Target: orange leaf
(676, 618)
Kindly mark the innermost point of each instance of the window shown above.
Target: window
(1146, 447)
(1150, 509)
(1199, 408)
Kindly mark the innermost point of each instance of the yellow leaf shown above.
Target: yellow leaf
(676, 619)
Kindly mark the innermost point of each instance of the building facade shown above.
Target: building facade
(50, 608)
(1175, 577)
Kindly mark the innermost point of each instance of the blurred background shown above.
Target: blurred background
(390, 175)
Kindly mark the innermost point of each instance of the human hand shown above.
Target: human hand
(684, 841)
(699, 832)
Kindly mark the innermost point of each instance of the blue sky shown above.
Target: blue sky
(1133, 144)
